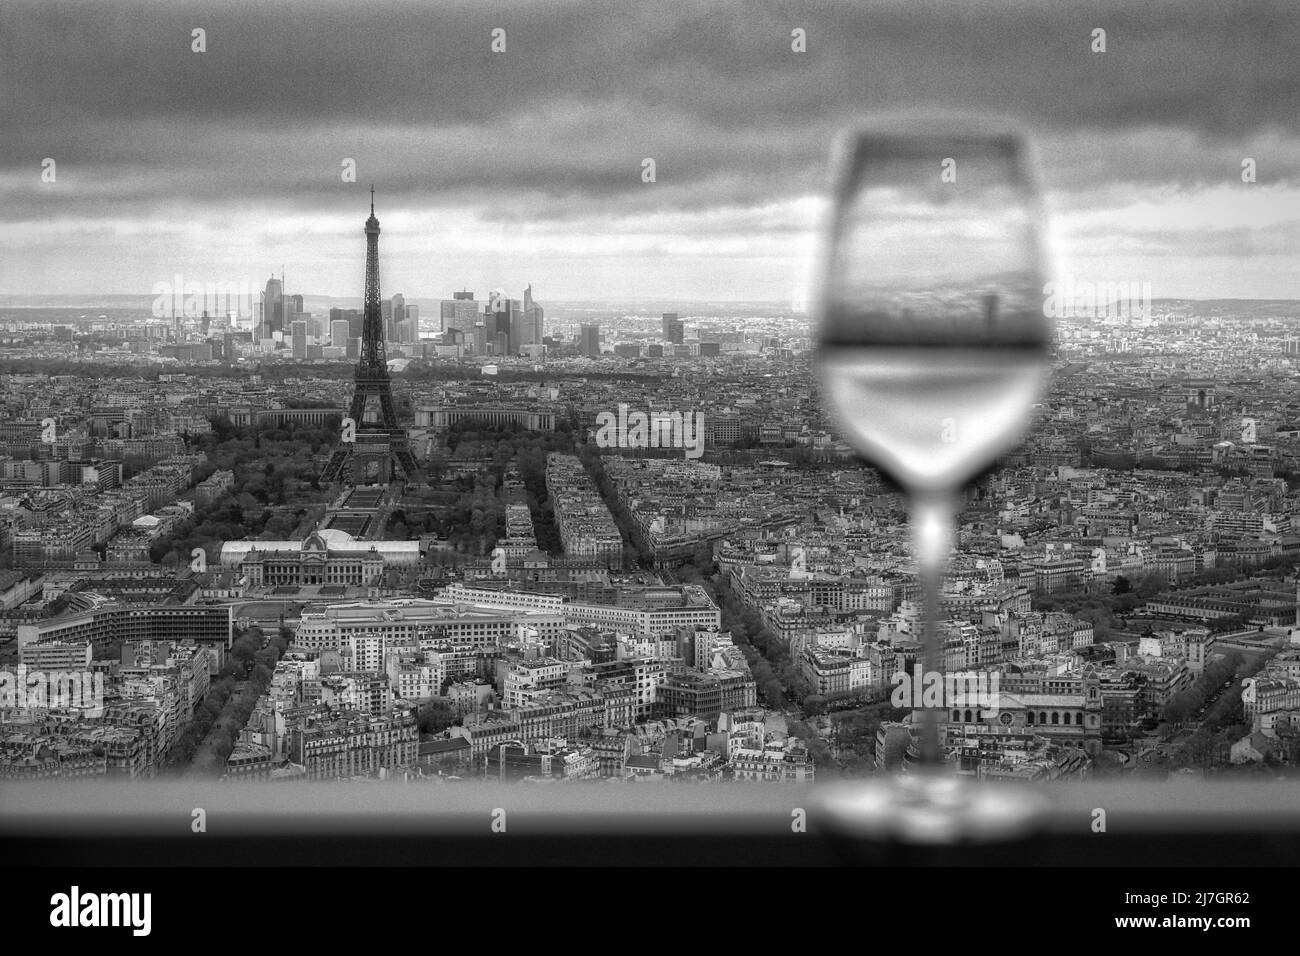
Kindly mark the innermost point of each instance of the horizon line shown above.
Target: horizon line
(618, 299)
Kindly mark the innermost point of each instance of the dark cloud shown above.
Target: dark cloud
(1214, 66)
(551, 134)
(586, 90)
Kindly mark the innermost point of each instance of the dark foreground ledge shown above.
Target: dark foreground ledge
(70, 824)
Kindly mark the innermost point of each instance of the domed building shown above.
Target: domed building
(323, 557)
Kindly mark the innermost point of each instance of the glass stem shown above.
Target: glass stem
(932, 521)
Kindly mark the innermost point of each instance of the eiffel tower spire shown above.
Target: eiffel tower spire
(383, 441)
(374, 359)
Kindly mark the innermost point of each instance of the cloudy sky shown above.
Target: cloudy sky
(497, 169)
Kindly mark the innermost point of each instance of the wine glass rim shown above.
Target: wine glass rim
(933, 128)
(982, 126)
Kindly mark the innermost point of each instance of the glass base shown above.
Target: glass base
(928, 808)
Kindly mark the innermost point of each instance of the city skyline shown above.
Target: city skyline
(579, 500)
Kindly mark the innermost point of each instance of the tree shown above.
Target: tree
(1122, 585)
(1150, 584)
(243, 651)
(435, 716)
(1101, 619)
(814, 704)
(1180, 706)
(1226, 625)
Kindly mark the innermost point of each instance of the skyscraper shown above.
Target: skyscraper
(299, 338)
(991, 312)
(272, 308)
(498, 325)
(411, 327)
(516, 328)
(589, 340)
(460, 312)
(356, 322)
(305, 317)
(533, 324)
(398, 317)
(674, 330)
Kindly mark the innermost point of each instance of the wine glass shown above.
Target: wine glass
(933, 341)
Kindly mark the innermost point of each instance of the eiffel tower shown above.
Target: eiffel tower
(379, 452)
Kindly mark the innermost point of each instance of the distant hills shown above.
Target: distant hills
(1241, 308)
